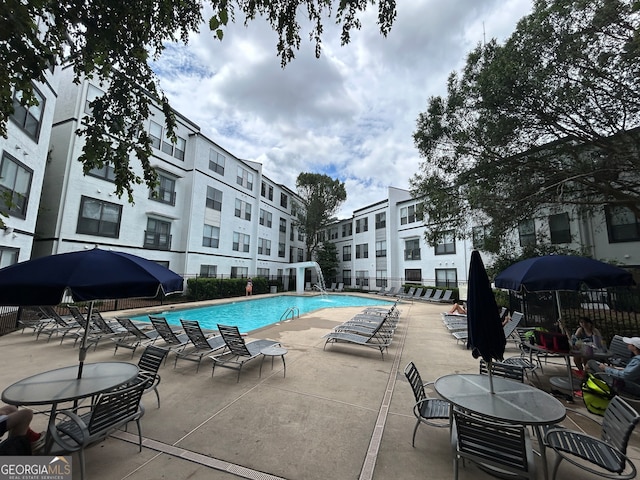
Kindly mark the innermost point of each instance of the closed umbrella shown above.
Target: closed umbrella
(86, 275)
(486, 335)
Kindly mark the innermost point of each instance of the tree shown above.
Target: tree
(327, 258)
(551, 118)
(320, 198)
(113, 42)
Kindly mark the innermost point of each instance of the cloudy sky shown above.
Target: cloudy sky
(350, 114)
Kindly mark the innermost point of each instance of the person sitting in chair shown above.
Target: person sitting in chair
(21, 440)
(627, 378)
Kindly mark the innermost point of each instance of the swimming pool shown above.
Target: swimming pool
(260, 312)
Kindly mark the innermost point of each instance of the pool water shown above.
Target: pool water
(256, 313)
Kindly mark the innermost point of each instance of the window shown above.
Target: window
(243, 209)
(446, 277)
(157, 235)
(283, 225)
(381, 248)
(381, 278)
(362, 250)
(216, 162)
(214, 199)
(362, 225)
(15, 185)
(284, 199)
(239, 272)
(559, 228)
(346, 277)
(209, 271)
(333, 233)
(165, 191)
(264, 246)
(8, 256)
(164, 143)
(362, 278)
(527, 232)
(105, 173)
(266, 191)
(413, 275)
(263, 272)
(478, 234)
(381, 220)
(446, 243)
(28, 118)
(99, 218)
(210, 236)
(347, 229)
(622, 224)
(240, 242)
(245, 178)
(412, 249)
(93, 92)
(346, 253)
(408, 214)
(266, 218)
(282, 247)
(300, 255)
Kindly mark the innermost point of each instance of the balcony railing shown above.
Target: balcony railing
(157, 241)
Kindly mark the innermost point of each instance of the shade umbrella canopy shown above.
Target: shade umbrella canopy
(562, 272)
(86, 275)
(486, 335)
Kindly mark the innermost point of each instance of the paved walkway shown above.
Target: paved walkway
(341, 412)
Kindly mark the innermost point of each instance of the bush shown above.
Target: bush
(213, 288)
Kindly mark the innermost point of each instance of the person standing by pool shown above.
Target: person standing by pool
(249, 287)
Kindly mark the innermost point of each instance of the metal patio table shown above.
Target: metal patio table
(511, 402)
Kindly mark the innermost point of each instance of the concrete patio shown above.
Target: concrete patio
(342, 412)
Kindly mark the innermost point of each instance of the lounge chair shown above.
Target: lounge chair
(94, 334)
(340, 287)
(172, 340)
(393, 292)
(333, 287)
(56, 324)
(202, 344)
(382, 291)
(136, 336)
(437, 295)
(377, 338)
(239, 351)
(408, 294)
(445, 298)
(427, 295)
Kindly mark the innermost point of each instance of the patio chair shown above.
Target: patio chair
(430, 411)
(377, 338)
(149, 364)
(383, 290)
(505, 370)
(136, 336)
(172, 340)
(239, 351)
(392, 292)
(333, 287)
(408, 294)
(619, 355)
(340, 287)
(94, 334)
(445, 298)
(202, 345)
(503, 448)
(55, 324)
(112, 410)
(427, 294)
(606, 454)
(437, 295)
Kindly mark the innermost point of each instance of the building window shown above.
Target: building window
(245, 178)
(8, 256)
(333, 233)
(622, 224)
(381, 248)
(209, 271)
(346, 253)
(446, 243)
(284, 200)
(446, 277)
(381, 220)
(559, 228)
(264, 246)
(362, 278)
(15, 185)
(347, 229)
(300, 255)
(105, 172)
(413, 275)
(408, 214)
(29, 118)
(381, 278)
(478, 234)
(362, 250)
(240, 242)
(164, 143)
(266, 218)
(155, 133)
(214, 199)
(282, 248)
(263, 272)
(283, 225)
(362, 225)
(157, 235)
(346, 277)
(216, 162)
(239, 272)
(165, 191)
(527, 232)
(266, 191)
(93, 92)
(99, 218)
(243, 209)
(210, 236)
(412, 249)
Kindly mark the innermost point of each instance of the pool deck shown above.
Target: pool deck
(341, 412)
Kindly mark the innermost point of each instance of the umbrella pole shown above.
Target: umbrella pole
(490, 376)
(83, 346)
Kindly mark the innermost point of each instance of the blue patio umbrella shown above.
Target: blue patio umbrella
(486, 335)
(86, 275)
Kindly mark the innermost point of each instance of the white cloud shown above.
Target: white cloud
(352, 112)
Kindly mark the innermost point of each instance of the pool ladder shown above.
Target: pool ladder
(292, 312)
